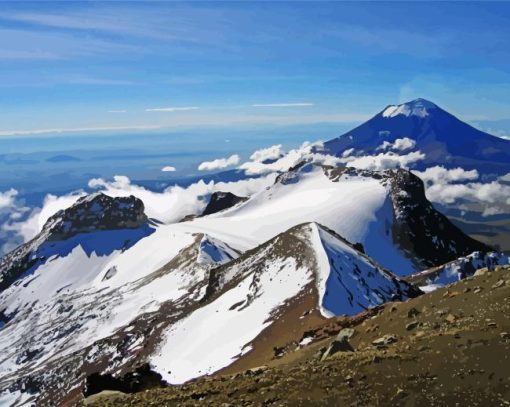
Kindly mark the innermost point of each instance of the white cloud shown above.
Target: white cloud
(11, 211)
(168, 168)
(176, 202)
(441, 175)
(505, 178)
(282, 104)
(172, 109)
(290, 159)
(269, 153)
(347, 153)
(219, 163)
(400, 144)
(33, 224)
(8, 198)
(492, 210)
(492, 192)
(449, 186)
(171, 205)
(384, 161)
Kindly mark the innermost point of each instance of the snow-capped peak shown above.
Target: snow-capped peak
(417, 107)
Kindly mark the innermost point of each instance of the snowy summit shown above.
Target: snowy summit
(418, 107)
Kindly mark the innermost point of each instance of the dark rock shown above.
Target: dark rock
(338, 345)
(140, 379)
(220, 201)
(94, 213)
(411, 325)
(256, 371)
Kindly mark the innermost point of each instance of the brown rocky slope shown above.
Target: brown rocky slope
(446, 348)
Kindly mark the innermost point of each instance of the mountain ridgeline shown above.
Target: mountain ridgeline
(104, 296)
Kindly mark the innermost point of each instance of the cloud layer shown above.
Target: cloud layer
(450, 186)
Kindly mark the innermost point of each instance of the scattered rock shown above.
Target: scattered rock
(387, 339)
(413, 312)
(499, 283)
(477, 289)
(504, 335)
(450, 294)
(401, 393)
(341, 344)
(320, 352)
(481, 272)
(255, 371)
(278, 352)
(345, 333)
(451, 318)
(411, 325)
(420, 334)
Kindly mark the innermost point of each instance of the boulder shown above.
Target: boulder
(340, 344)
(385, 340)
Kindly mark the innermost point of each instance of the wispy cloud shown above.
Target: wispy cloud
(84, 80)
(11, 54)
(172, 109)
(25, 44)
(282, 104)
(75, 130)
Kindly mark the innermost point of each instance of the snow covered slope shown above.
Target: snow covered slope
(249, 294)
(386, 212)
(103, 289)
(95, 301)
(444, 139)
(450, 272)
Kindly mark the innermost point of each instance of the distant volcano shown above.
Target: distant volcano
(444, 139)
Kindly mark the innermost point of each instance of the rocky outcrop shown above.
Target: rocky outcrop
(220, 201)
(94, 213)
(418, 228)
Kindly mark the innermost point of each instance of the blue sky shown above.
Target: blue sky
(98, 65)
